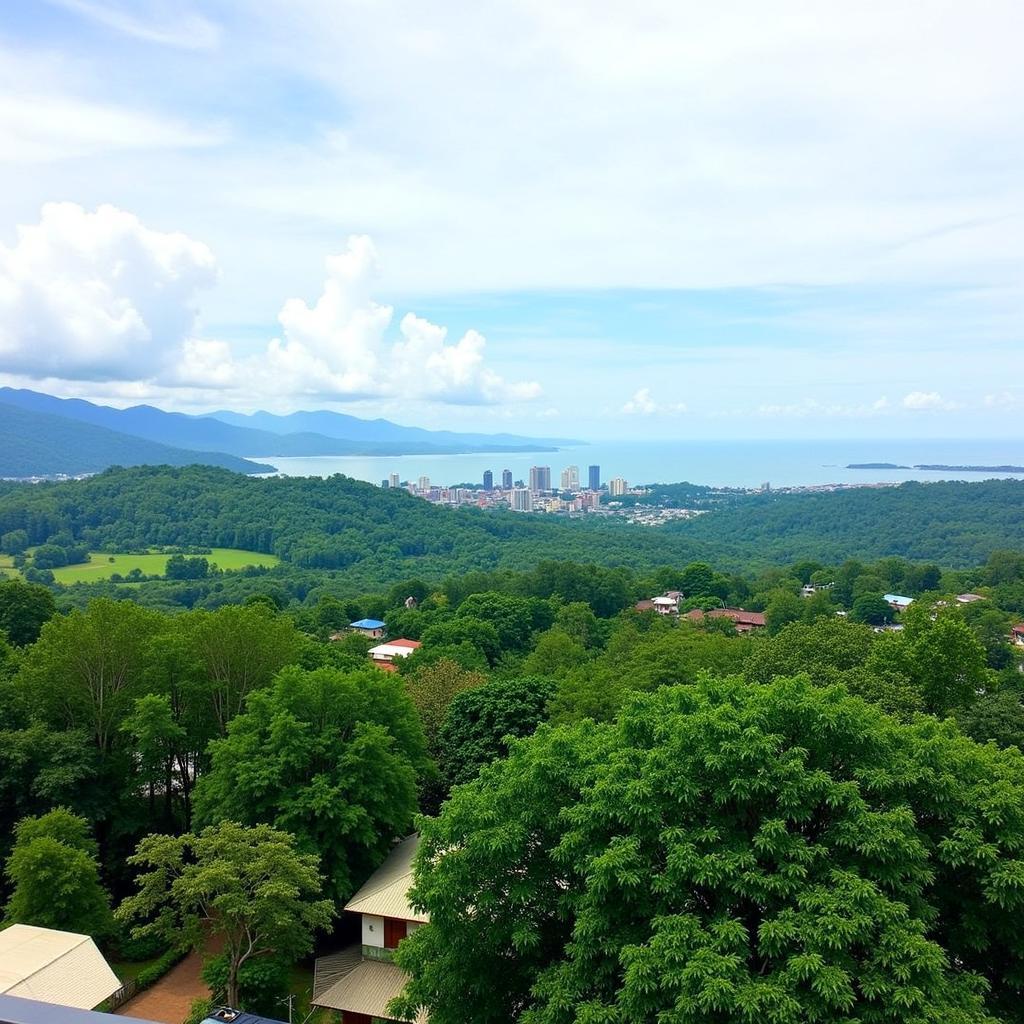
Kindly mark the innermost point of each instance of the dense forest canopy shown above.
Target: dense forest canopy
(260, 723)
(369, 536)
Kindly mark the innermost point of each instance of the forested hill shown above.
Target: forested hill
(332, 523)
(377, 536)
(38, 444)
(953, 523)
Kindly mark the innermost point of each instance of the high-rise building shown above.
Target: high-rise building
(520, 500)
(617, 486)
(394, 479)
(506, 479)
(424, 484)
(385, 483)
(571, 478)
(488, 480)
(540, 478)
(594, 478)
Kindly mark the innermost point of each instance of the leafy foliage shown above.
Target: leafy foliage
(727, 852)
(249, 886)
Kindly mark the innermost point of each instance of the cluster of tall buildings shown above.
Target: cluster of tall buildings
(534, 494)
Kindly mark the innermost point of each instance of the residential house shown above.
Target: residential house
(384, 655)
(897, 602)
(361, 980)
(52, 966)
(745, 622)
(372, 628)
(665, 605)
(969, 598)
(1017, 634)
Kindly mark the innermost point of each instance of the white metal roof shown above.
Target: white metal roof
(54, 967)
(384, 893)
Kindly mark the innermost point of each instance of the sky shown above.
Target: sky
(587, 219)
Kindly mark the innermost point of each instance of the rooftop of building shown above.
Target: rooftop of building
(385, 892)
(367, 624)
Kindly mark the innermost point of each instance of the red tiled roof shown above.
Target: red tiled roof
(402, 642)
(738, 615)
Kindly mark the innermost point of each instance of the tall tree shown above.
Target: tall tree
(24, 608)
(727, 852)
(332, 758)
(249, 886)
(240, 648)
(55, 876)
(87, 667)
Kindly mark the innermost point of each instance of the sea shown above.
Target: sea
(715, 463)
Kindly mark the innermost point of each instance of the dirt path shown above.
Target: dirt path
(170, 999)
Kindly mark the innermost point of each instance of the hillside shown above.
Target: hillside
(38, 444)
(376, 536)
(950, 522)
(234, 434)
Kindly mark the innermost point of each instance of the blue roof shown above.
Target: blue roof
(367, 624)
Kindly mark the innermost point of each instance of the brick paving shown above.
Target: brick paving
(170, 999)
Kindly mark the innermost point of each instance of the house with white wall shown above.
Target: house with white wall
(361, 980)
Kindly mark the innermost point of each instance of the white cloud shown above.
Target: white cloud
(338, 347)
(97, 295)
(642, 404)
(812, 407)
(164, 23)
(925, 400)
(101, 297)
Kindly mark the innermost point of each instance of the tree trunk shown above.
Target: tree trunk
(232, 985)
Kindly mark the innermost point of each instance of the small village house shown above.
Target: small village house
(361, 980)
(385, 654)
(372, 628)
(744, 621)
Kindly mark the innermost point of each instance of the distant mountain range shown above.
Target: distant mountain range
(220, 439)
(36, 444)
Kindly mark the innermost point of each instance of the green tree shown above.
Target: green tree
(14, 542)
(578, 621)
(781, 609)
(55, 876)
(240, 649)
(554, 654)
(948, 663)
(465, 630)
(24, 608)
(511, 617)
(87, 668)
(997, 717)
(727, 852)
(481, 722)
(871, 609)
(249, 886)
(432, 687)
(156, 740)
(332, 758)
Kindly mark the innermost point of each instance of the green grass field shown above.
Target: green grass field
(101, 565)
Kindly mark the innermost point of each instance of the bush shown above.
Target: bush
(152, 974)
(262, 984)
(124, 946)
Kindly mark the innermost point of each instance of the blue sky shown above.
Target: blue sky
(667, 220)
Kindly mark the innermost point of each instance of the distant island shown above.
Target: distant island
(954, 469)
